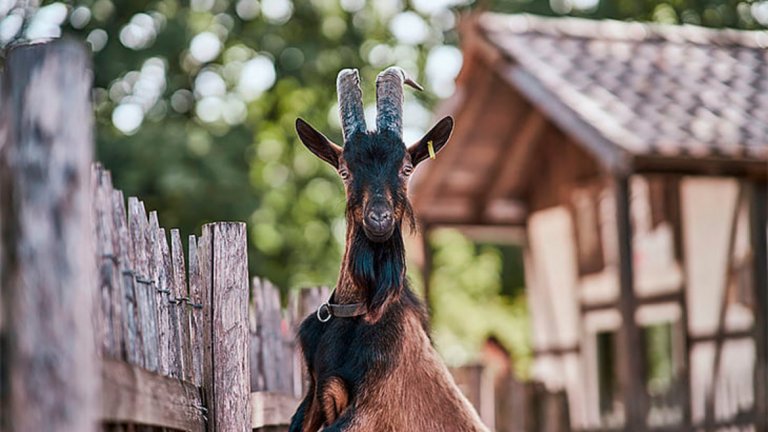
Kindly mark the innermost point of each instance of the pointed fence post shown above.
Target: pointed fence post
(48, 268)
(223, 261)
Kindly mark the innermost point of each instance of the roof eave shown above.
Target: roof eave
(614, 159)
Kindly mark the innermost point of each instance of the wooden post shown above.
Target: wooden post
(48, 268)
(635, 400)
(759, 231)
(223, 263)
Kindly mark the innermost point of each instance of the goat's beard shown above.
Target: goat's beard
(378, 269)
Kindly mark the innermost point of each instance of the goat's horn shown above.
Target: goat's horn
(350, 102)
(389, 99)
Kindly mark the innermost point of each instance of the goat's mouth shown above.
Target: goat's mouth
(379, 235)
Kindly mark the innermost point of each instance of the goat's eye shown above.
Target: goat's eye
(407, 170)
(344, 174)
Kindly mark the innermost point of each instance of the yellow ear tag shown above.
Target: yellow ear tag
(431, 149)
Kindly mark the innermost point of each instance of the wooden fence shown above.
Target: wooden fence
(276, 368)
(173, 337)
(105, 322)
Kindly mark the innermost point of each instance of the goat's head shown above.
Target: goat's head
(375, 165)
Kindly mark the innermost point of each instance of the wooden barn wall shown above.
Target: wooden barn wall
(693, 279)
(720, 296)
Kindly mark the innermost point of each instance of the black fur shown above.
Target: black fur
(361, 351)
(354, 350)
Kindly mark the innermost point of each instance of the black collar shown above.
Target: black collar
(328, 310)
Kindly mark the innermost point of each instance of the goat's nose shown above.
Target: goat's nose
(380, 217)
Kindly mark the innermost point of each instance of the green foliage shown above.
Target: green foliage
(196, 170)
(468, 304)
(195, 107)
(246, 163)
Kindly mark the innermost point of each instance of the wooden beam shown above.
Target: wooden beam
(271, 409)
(728, 287)
(497, 234)
(513, 158)
(48, 266)
(133, 395)
(677, 297)
(721, 336)
(635, 395)
(556, 351)
(759, 233)
(706, 166)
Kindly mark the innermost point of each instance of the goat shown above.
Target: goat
(373, 367)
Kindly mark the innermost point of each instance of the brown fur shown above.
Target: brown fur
(334, 398)
(418, 395)
(378, 372)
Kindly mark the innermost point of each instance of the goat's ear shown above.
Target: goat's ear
(438, 136)
(318, 144)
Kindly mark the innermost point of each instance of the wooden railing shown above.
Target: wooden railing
(172, 335)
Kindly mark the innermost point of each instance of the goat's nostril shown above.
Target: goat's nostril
(380, 217)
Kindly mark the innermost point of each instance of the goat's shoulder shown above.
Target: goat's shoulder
(310, 334)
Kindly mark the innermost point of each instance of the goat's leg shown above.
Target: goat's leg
(307, 417)
(297, 421)
(343, 423)
(334, 398)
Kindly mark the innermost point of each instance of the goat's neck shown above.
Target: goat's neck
(376, 259)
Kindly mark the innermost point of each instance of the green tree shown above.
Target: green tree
(195, 104)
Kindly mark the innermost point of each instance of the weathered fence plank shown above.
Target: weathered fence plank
(109, 271)
(134, 348)
(179, 291)
(224, 246)
(267, 348)
(143, 284)
(160, 276)
(301, 304)
(168, 309)
(277, 368)
(134, 395)
(196, 313)
(48, 268)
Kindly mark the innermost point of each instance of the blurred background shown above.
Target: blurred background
(195, 106)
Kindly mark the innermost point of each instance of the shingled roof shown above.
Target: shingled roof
(648, 89)
(577, 98)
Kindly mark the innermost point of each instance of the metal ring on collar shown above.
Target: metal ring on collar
(327, 311)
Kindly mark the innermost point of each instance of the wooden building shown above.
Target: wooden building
(631, 162)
